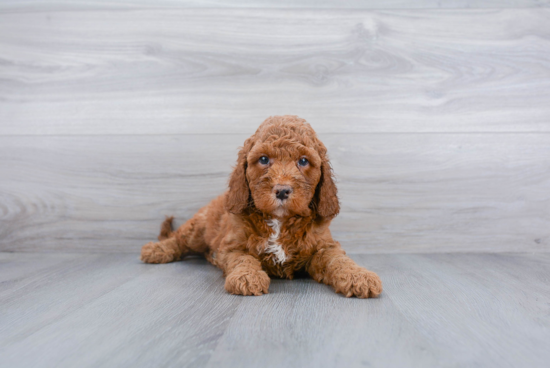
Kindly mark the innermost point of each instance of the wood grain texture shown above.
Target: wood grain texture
(436, 310)
(113, 310)
(478, 299)
(26, 5)
(166, 71)
(443, 310)
(399, 192)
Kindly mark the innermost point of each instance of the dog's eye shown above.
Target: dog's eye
(303, 161)
(264, 160)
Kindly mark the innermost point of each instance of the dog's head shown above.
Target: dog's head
(283, 170)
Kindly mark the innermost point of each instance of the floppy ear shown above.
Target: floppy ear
(326, 192)
(238, 197)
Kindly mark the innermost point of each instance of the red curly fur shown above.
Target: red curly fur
(251, 234)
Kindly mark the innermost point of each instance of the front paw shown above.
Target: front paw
(248, 282)
(359, 282)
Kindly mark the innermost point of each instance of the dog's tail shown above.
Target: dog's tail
(166, 229)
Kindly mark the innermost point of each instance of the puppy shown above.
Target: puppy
(274, 219)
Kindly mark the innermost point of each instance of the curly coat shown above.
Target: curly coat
(274, 219)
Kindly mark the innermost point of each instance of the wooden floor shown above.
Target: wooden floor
(110, 310)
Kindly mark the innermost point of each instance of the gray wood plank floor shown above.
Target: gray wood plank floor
(105, 310)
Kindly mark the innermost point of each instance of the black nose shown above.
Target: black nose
(282, 191)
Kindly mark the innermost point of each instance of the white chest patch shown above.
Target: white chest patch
(272, 245)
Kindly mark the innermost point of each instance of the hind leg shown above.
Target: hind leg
(164, 251)
(173, 246)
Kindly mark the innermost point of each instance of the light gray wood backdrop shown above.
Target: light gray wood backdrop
(116, 113)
